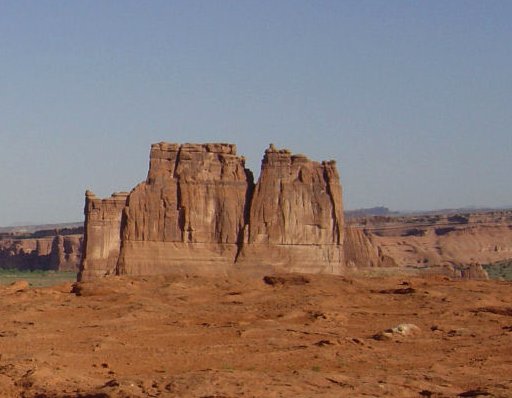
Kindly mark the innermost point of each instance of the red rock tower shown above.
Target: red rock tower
(296, 215)
(199, 212)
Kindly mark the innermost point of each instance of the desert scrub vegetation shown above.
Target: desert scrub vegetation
(500, 269)
(36, 278)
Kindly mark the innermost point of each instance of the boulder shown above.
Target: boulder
(401, 330)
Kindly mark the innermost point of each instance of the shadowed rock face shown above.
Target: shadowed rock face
(199, 211)
(47, 252)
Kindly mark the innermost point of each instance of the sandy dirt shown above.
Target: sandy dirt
(288, 336)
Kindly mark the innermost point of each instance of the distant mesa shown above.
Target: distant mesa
(372, 211)
(56, 247)
(200, 211)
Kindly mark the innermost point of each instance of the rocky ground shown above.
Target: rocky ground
(246, 336)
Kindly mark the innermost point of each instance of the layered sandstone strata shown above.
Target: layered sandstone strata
(200, 211)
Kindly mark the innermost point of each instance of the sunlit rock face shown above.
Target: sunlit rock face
(199, 211)
(296, 215)
(102, 239)
(189, 214)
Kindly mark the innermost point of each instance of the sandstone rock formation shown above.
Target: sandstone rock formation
(66, 252)
(46, 250)
(102, 241)
(359, 250)
(453, 244)
(190, 212)
(296, 215)
(200, 211)
(463, 271)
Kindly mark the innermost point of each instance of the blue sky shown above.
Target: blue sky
(412, 98)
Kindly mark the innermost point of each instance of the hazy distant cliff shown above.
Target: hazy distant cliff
(458, 242)
(200, 210)
(59, 250)
(435, 239)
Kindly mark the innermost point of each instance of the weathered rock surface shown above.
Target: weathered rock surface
(102, 235)
(462, 271)
(401, 330)
(189, 214)
(310, 336)
(296, 215)
(359, 250)
(199, 211)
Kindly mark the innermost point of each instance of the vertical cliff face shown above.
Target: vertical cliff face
(359, 250)
(190, 212)
(102, 235)
(193, 194)
(199, 211)
(296, 215)
(66, 252)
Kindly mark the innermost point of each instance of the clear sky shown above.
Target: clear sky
(412, 98)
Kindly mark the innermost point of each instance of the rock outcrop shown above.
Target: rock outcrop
(469, 271)
(359, 250)
(102, 239)
(42, 250)
(296, 215)
(199, 211)
(457, 241)
(190, 212)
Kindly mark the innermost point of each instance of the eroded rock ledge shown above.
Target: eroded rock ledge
(199, 211)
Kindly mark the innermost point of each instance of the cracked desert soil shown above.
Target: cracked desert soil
(239, 336)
